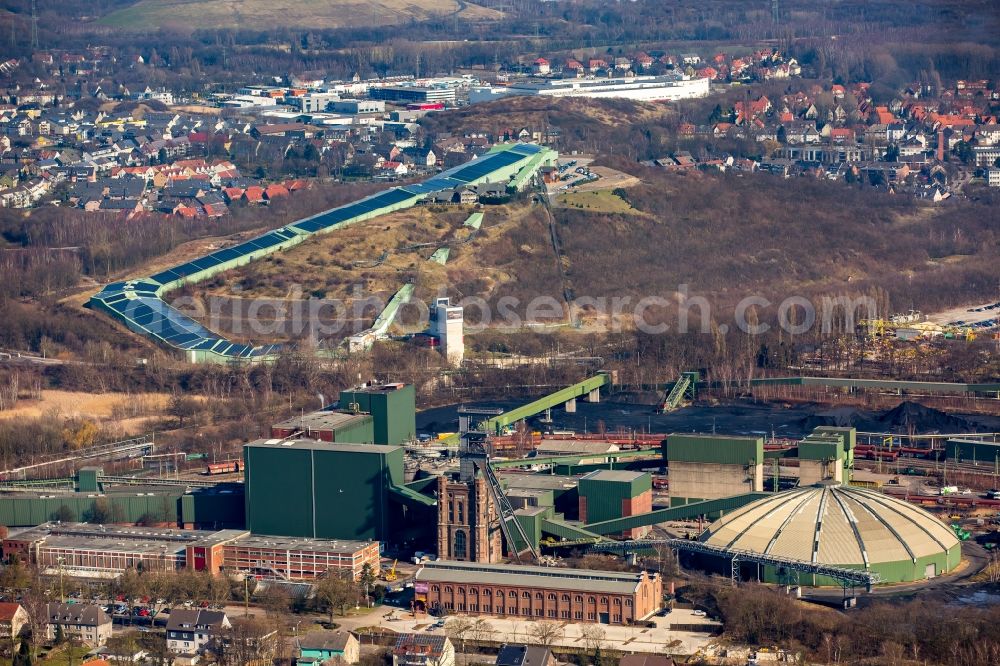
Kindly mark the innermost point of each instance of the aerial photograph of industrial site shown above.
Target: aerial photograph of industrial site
(499, 332)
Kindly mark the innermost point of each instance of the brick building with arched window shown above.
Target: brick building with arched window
(544, 593)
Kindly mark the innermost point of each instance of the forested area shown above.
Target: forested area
(729, 236)
(891, 633)
(50, 248)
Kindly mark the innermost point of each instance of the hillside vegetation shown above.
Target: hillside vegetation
(270, 14)
(730, 236)
(725, 237)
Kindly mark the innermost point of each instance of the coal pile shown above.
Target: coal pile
(906, 417)
(912, 416)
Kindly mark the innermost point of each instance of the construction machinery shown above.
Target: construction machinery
(389, 575)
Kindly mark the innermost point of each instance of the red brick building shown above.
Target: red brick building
(576, 595)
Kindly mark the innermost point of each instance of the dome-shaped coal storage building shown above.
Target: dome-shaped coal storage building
(836, 525)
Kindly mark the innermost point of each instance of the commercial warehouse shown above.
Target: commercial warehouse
(641, 88)
(299, 559)
(104, 551)
(581, 595)
(217, 507)
(139, 305)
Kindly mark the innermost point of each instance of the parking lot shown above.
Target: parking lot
(976, 317)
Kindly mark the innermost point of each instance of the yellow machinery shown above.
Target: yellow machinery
(389, 574)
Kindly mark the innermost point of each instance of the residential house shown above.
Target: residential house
(87, 622)
(541, 67)
(394, 168)
(130, 207)
(423, 650)
(525, 655)
(421, 157)
(193, 630)
(573, 66)
(993, 177)
(800, 132)
(275, 191)
(322, 646)
(595, 65)
(13, 617)
(895, 132)
(253, 194)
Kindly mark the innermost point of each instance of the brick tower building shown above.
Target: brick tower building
(468, 525)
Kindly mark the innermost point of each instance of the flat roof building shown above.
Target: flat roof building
(288, 558)
(702, 467)
(106, 551)
(504, 590)
(405, 94)
(100, 551)
(646, 88)
(328, 426)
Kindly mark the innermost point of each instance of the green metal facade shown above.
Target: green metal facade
(876, 384)
(86, 479)
(361, 432)
(848, 440)
(973, 451)
(393, 412)
(714, 449)
(604, 497)
(891, 572)
(693, 509)
(201, 509)
(820, 449)
(321, 492)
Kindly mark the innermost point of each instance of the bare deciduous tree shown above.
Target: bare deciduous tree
(546, 633)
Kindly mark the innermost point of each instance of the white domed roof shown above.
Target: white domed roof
(833, 524)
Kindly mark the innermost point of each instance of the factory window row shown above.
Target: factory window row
(525, 594)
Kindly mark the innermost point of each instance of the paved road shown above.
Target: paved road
(950, 586)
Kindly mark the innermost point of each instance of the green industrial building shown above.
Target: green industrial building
(840, 526)
(703, 467)
(391, 406)
(377, 414)
(976, 452)
(309, 488)
(217, 507)
(609, 494)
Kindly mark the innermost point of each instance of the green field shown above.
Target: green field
(266, 14)
(599, 201)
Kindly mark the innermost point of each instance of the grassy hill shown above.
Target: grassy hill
(726, 237)
(269, 14)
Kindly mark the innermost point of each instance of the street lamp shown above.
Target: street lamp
(62, 597)
(246, 594)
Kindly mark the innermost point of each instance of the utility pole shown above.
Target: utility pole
(34, 25)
